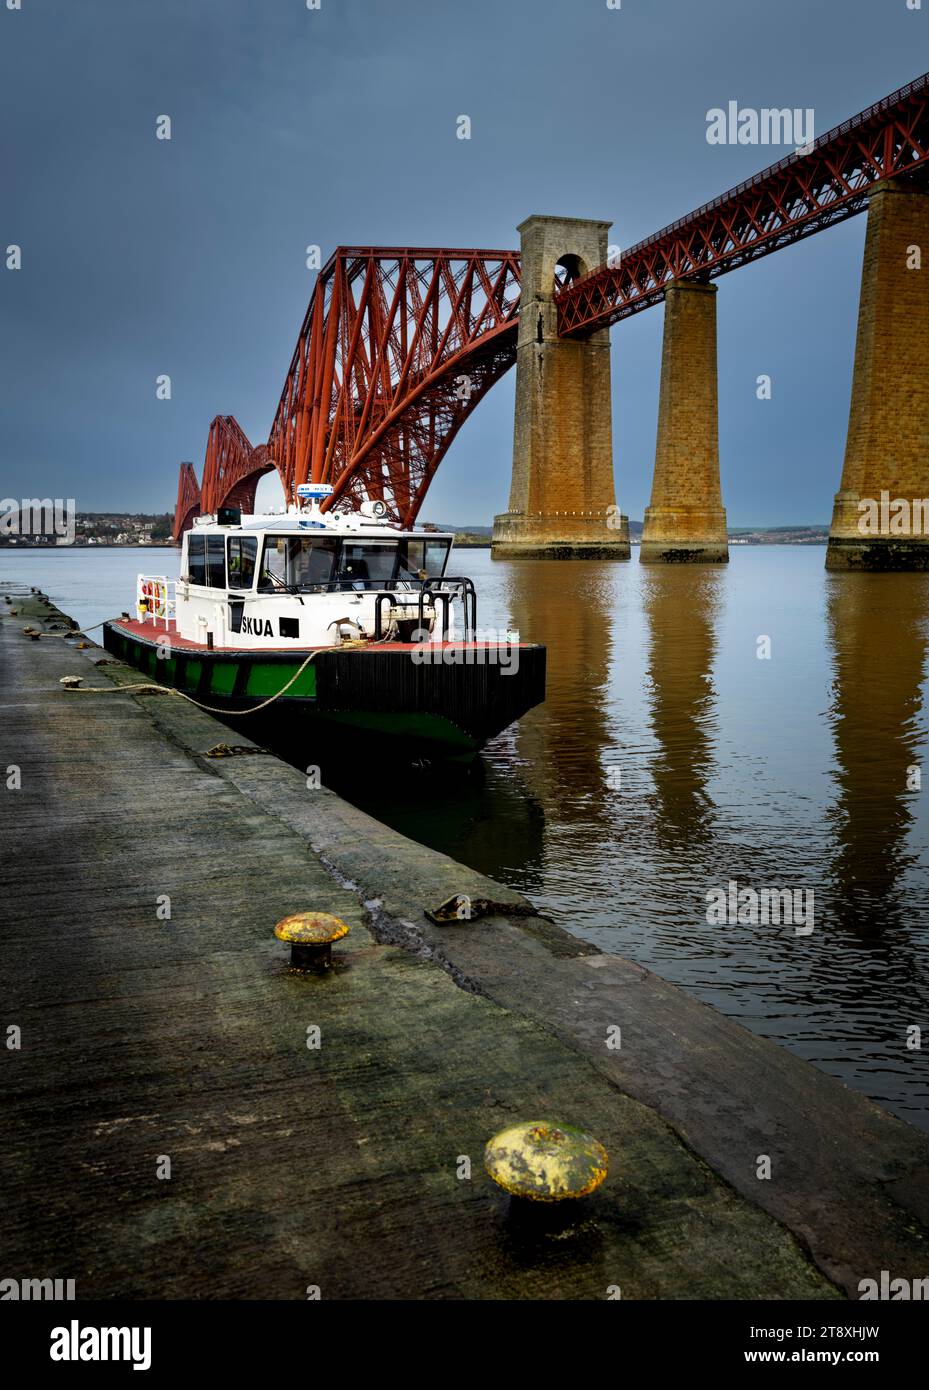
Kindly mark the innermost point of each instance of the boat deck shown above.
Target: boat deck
(155, 630)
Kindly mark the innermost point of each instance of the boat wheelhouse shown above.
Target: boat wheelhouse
(341, 620)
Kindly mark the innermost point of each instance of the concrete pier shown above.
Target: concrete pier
(562, 498)
(880, 520)
(355, 1166)
(685, 522)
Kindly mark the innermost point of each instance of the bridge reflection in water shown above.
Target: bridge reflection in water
(878, 637)
(681, 607)
(668, 760)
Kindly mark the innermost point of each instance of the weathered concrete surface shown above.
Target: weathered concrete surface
(848, 1178)
(337, 1167)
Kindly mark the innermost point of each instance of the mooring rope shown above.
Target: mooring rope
(170, 690)
(72, 631)
(210, 709)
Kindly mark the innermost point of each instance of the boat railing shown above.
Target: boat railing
(353, 584)
(155, 598)
(431, 592)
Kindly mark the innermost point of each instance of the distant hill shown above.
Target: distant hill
(462, 530)
(745, 535)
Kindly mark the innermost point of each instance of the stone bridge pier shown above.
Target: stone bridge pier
(875, 524)
(686, 522)
(562, 499)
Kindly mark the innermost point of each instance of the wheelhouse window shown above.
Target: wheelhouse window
(310, 560)
(367, 564)
(196, 558)
(297, 562)
(273, 561)
(243, 553)
(422, 557)
(216, 561)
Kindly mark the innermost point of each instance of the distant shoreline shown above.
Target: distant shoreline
(122, 545)
(463, 543)
(466, 538)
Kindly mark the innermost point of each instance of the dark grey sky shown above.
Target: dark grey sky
(335, 126)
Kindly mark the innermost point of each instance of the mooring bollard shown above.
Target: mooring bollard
(540, 1161)
(311, 935)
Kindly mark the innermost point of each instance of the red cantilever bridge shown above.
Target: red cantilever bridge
(400, 344)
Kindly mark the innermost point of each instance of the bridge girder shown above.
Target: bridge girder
(397, 348)
(800, 195)
(400, 344)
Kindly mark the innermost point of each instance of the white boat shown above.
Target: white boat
(336, 618)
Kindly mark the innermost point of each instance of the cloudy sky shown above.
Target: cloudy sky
(338, 126)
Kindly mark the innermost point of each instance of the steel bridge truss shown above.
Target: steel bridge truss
(400, 344)
(397, 348)
(800, 195)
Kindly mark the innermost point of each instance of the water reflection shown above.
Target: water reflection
(569, 608)
(681, 607)
(877, 631)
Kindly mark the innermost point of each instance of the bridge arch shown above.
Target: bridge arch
(398, 346)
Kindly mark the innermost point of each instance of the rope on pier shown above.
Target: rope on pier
(152, 689)
(72, 631)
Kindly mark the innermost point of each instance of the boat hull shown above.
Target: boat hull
(448, 704)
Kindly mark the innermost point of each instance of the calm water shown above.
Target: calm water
(668, 760)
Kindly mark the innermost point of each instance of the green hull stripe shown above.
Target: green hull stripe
(218, 677)
(223, 678)
(264, 679)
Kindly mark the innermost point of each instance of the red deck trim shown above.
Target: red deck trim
(156, 629)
